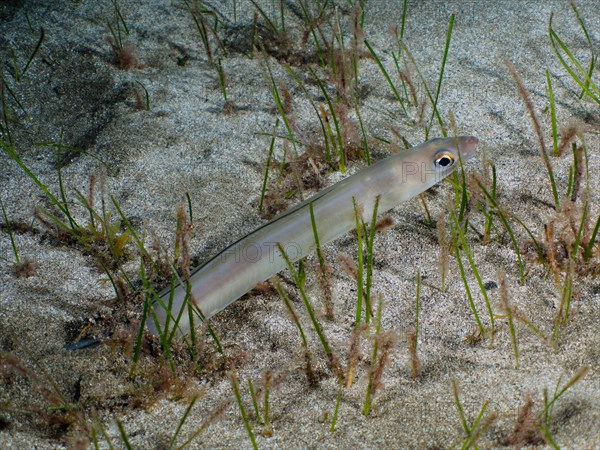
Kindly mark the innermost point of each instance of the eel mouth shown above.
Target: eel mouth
(467, 146)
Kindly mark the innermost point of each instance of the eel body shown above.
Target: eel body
(255, 257)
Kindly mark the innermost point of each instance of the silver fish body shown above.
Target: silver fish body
(255, 257)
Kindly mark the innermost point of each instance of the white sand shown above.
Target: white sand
(187, 143)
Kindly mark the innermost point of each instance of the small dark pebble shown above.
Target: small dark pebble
(490, 285)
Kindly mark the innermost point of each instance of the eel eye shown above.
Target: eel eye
(444, 159)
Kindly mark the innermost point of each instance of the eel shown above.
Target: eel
(256, 257)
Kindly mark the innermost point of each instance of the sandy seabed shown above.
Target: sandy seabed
(192, 141)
